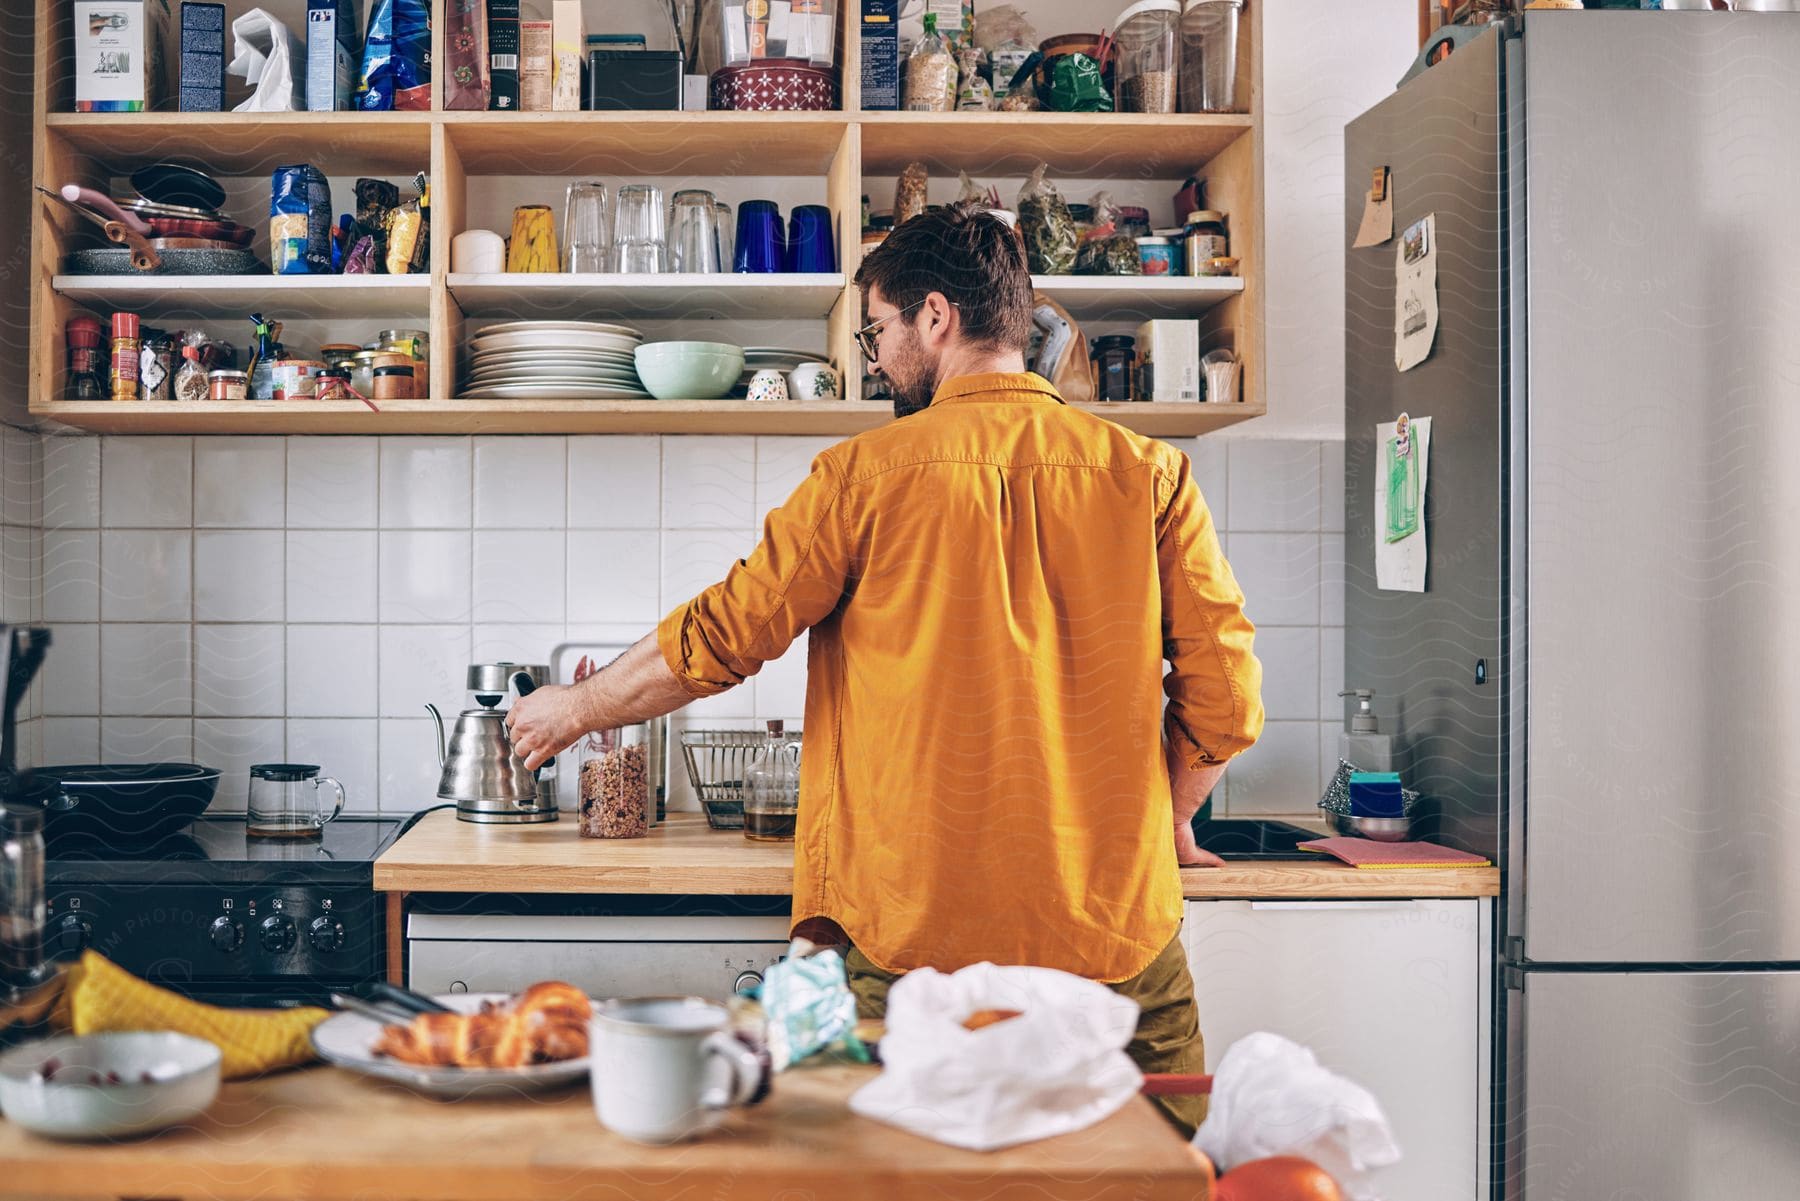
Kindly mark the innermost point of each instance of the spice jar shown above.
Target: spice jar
(614, 788)
(334, 384)
(1204, 239)
(393, 383)
(87, 379)
(1149, 64)
(123, 375)
(1115, 365)
(156, 367)
(226, 384)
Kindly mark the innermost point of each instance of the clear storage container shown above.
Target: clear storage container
(772, 788)
(1209, 44)
(614, 789)
(1147, 79)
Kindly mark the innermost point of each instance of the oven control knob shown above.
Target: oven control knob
(278, 934)
(747, 984)
(226, 934)
(71, 935)
(326, 934)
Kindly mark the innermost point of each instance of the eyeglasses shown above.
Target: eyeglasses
(869, 336)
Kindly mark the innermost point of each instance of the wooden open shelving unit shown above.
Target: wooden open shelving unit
(841, 147)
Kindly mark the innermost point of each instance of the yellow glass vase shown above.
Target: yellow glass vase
(533, 245)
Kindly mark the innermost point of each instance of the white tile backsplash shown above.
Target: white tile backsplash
(398, 561)
(332, 575)
(146, 670)
(1331, 672)
(615, 483)
(332, 483)
(613, 575)
(240, 483)
(425, 483)
(147, 483)
(425, 575)
(240, 670)
(519, 575)
(520, 483)
(71, 575)
(146, 575)
(239, 575)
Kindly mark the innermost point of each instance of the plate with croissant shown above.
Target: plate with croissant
(491, 1043)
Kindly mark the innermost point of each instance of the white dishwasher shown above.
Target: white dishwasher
(658, 952)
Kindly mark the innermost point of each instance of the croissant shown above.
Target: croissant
(545, 1023)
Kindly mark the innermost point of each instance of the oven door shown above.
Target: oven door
(709, 956)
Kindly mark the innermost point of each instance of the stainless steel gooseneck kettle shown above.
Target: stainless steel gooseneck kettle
(481, 772)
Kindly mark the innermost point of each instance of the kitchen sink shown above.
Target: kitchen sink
(1254, 839)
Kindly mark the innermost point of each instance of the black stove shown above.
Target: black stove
(227, 918)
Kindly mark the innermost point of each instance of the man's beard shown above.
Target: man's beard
(910, 380)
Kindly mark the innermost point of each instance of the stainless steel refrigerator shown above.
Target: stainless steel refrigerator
(1600, 684)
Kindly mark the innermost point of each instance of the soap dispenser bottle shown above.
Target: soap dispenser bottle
(1362, 744)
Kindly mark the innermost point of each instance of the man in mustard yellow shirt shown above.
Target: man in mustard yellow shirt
(993, 583)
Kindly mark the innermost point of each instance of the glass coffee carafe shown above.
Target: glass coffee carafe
(772, 788)
(284, 800)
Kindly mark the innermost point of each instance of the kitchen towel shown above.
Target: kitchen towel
(1369, 854)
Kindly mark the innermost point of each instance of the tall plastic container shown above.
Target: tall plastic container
(1209, 45)
(1147, 79)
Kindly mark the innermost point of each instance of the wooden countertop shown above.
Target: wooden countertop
(684, 856)
(325, 1135)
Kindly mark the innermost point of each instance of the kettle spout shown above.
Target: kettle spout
(439, 719)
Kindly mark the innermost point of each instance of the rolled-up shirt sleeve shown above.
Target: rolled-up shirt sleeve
(1214, 682)
(792, 580)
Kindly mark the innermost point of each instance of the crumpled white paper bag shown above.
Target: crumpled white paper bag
(1271, 1096)
(264, 55)
(1058, 1067)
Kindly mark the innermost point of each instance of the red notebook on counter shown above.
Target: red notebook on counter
(1367, 853)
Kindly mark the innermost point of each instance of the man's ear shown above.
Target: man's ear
(942, 315)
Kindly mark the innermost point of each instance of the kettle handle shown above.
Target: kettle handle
(525, 686)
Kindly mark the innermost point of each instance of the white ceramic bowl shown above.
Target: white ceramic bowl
(689, 370)
(163, 1079)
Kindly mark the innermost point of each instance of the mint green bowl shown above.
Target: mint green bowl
(689, 370)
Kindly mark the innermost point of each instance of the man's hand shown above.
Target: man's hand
(1188, 852)
(545, 724)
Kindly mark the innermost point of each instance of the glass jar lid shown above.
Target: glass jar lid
(287, 772)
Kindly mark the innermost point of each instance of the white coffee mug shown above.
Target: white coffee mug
(813, 381)
(665, 1069)
(478, 252)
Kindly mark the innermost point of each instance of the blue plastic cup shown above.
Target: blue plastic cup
(761, 238)
(810, 246)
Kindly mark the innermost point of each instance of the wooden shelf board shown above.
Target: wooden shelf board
(253, 143)
(648, 144)
(1086, 145)
(283, 297)
(691, 297)
(831, 418)
(1122, 298)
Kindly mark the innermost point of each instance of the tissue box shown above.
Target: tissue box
(568, 41)
(1169, 361)
(331, 54)
(535, 59)
(200, 80)
(114, 45)
(503, 54)
(880, 54)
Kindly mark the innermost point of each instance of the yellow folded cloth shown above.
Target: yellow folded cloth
(101, 996)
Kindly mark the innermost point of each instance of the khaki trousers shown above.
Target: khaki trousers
(1168, 1033)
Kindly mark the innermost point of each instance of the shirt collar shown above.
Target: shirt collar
(997, 386)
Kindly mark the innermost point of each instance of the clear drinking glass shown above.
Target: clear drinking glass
(694, 232)
(726, 223)
(587, 228)
(640, 238)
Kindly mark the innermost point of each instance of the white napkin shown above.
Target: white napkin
(264, 54)
(1059, 1066)
(1272, 1097)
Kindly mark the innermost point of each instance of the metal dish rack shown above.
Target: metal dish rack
(717, 761)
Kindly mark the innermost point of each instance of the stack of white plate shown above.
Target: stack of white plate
(553, 360)
(775, 358)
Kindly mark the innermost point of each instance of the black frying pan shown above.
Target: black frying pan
(123, 803)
